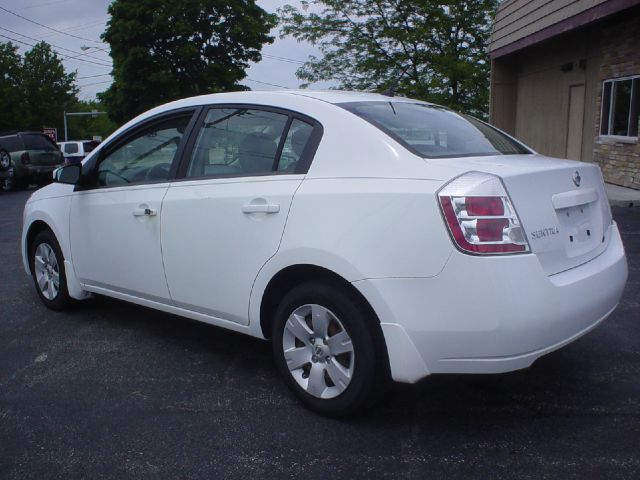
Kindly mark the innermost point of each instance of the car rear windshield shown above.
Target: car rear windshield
(34, 141)
(435, 132)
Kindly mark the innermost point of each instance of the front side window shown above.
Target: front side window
(237, 141)
(147, 157)
(620, 107)
(435, 132)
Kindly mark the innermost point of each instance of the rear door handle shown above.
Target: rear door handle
(149, 212)
(260, 208)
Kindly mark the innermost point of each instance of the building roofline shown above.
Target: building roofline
(581, 19)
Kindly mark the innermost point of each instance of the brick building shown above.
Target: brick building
(565, 79)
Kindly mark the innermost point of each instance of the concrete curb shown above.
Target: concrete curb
(622, 197)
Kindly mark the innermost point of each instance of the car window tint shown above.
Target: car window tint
(435, 132)
(237, 141)
(34, 141)
(71, 148)
(11, 143)
(145, 158)
(297, 139)
(89, 146)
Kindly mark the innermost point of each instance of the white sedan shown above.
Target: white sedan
(368, 237)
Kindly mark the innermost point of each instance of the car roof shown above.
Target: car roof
(328, 96)
(15, 134)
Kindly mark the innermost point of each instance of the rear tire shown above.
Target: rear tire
(326, 351)
(48, 272)
(5, 160)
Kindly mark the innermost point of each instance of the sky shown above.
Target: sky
(73, 28)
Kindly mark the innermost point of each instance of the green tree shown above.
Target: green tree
(10, 95)
(47, 90)
(430, 50)
(167, 49)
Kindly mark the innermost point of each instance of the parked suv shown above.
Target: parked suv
(75, 151)
(27, 157)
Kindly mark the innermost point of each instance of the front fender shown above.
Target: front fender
(54, 212)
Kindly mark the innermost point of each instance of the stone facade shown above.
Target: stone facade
(619, 45)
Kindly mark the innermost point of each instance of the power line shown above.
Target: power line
(62, 56)
(48, 27)
(59, 47)
(43, 4)
(74, 28)
(94, 76)
(283, 59)
(95, 83)
(267, 83)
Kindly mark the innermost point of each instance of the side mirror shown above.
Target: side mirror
(69, 174)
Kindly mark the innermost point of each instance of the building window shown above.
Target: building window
(620, 107)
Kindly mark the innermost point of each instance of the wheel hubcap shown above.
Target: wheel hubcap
(318, 351)
(47, 271)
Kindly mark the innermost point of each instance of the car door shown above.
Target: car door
(225, 217)
(116, 215)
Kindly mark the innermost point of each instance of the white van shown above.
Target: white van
(76, 150)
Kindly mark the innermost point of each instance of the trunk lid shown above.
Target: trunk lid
(562, 205)
(45, 157)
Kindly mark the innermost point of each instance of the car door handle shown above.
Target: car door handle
(260, 208)
(149, 212)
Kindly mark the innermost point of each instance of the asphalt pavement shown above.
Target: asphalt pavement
(113, 390)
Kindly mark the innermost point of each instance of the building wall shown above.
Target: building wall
(517, 19)
(530, 92)
(619, 48)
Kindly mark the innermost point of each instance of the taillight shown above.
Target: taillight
(480, 215)
(24, 158)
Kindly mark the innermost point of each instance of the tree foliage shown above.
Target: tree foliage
(47, 89)
(167, 49)
(34, 89)
(430, 50)
(10, 96)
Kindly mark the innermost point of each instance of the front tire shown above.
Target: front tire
(8, 184)
(47, 270)
(325, 349)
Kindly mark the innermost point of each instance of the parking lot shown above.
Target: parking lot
(113, 390)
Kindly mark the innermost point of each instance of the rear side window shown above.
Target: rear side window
(89, 146)
(11, 143)
(435, 132)
(34, 141)
(297, 139)
(236, 142)
(71, 148)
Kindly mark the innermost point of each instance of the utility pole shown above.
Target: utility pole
(93, 113)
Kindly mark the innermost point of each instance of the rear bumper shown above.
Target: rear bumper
(34, 171)
(491, 315)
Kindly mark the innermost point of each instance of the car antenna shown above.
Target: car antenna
(391, 91)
